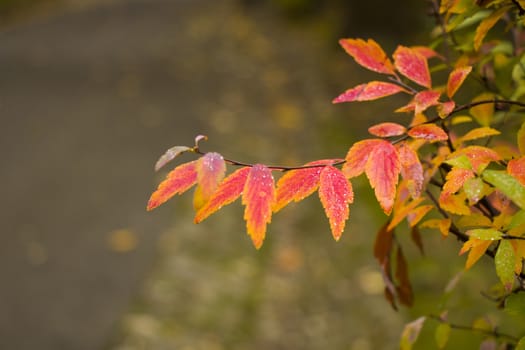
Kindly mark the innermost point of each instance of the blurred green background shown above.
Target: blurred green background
(92, 92)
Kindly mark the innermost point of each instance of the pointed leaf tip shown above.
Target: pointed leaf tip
(178, 181)
(335, 193)
(210, 172)
(258, 197)
(456, 79)
(368, 54)
(169, 155)
(368, 92)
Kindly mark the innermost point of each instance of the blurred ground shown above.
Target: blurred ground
(89, 98)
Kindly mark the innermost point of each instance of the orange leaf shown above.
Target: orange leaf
(456, 178)
(412, 65)
(411, 169)
(368, 92)
(429, 132)
(477, 250)
(445, 108)
(478, 133)
(401, 212)
(487, 24)
(210, 172)
(357, 157)
(382, 169)
(368, 54)
(298, 184)
(229, 190)
(178, 181)
(456, 78)
(387, 129)
(335, 192)
(516, 168)
(478, 156)
(426, 52)
(258, 196)
(443, 225)
(426, 99)
(454, 203)
(415, 216)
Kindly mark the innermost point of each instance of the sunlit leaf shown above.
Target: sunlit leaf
(411, 169)
(443, 225)
(516, 168)
(475, 189)
(445, 108)
(429, 132)
(335, 192)
(454, 203)
(485, 234)
(456, 178)
(368, 54)
(483, 113)
(169, 155)
(382, 169)
(507, 184)
(478, 156)
(178, 181)
(415, 216)
(258, 196)
(298, 184)
(401, 212)
(411, 333)
(412, 65)
(456, 79)
(358, 155)
(387, 129)
(229, 190)
(478, 133)
(425, 99)
(442, 335)
(487, 24)
(504, 261)
(426, 52)
(210, 172)
(368, 92)
(476, 249)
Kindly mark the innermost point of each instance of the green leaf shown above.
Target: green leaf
(515, 305)
(485, 234)
(504, 261)
(517, 219)
(442, 335)
(506, 184)
(411, 333)
(461, 161)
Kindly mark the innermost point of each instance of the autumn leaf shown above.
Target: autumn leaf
(411, 169)
(335, 193)
(487, 24)
(478, 156)
(483, 113)
(507, 184)
(476, 248)
(415, 216)
(456, 178)
(429, 132)
(210, 172)
(412, 65)
(426, 52)
(411, 333)
(358, 155)
(445, 108)
(178, 181)
(425, 99)
(401, 211)
(456, 79)
(516, 168)
(258, 197)
(368, 92)
(443, 225)
(387, 129)
(228, 191)
(404, 288)
(299, 183)
(382, 169)
(383, 244)
(478, 133)
(368, 54)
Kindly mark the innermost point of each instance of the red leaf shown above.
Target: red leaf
(426, 52)
(516, 168)
(478, 156)
(368, 54)
(426, 99)
(210, 172)
(358, 156)
(368, 92)
(411, 169)
(178, 181)
(429, 132)
(387, 129)
(382, 169)
(412, 65)
(229, 190)
(445, 108)
(258, 197)
(335, 192)
(298, 184)
(456, 78)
